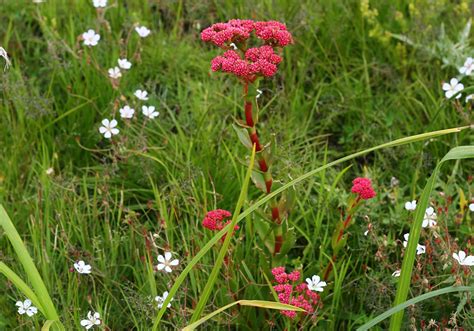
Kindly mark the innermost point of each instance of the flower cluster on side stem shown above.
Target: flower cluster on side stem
(363, 189)
(293, 293)
(216, 220)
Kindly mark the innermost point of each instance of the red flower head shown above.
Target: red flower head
(297, 295)
(247, 64)
(225, 33)
(215, 220)
(261, 61)
(363, 187)
(274, 33)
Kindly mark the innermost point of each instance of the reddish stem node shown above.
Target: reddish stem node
(263, 165)
(278, 244)
(248, 114)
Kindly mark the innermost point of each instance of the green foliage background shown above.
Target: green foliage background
(346, 84)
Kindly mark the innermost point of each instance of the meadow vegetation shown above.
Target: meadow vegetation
(364, 91)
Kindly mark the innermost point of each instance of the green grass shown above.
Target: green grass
(341, 88)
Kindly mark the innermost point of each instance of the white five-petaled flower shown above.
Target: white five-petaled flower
(406, 236)
(99, 3)
(396, 273)
(453, 88)
(165, 262)
(315, 283)
(234, 46)
(149, 111)
(4, 54)
(471, 206)
(127, 112)
(161, 300)
(259, 93)
(469, 97)
(410, 205)
(142, 31)
(468, 67)
(82, 268)
(463, 259)
(124, 64)
(92, 320)
(115, 73)
(430, 218)
(90, 38)
(420, 249)
(108, 128)
(142, 95)
(25, 307)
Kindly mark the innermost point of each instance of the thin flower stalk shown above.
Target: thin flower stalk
(363, 189)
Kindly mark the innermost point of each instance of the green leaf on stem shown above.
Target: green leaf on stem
(259, 180)
(264, 231)
(289, 241)
(243, 136)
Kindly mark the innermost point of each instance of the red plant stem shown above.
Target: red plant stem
(252, 130)
(264, 167)
(248, 113)
(328, 270)
(344, 227)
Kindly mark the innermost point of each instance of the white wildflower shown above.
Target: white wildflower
(161, 300)
(463, 258)
(99, 3)
(468, 67)
(315, 283)
(25, 307)
(454, 87)
(126, 112)
(92, 320)
(124, 64)
(142, 31)
(4, 54)
(90, 38)
(108, 128)
(165, 262)
(115, 73)
(82, 268)
(149, 111)
(429, 218)
(410, 205)
(142, 95)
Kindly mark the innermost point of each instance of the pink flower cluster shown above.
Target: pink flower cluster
(247, 64)
(232, 31)
(237, 31)
(292, 294)
(274, 33)
(215, 220)
(363, 187)
(258, 61)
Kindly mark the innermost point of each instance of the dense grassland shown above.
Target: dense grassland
(353, 79)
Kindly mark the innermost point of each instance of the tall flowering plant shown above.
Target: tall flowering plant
(363, 190)
(249, 65)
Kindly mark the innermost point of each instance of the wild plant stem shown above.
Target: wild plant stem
(345, 225)
(263, 166)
